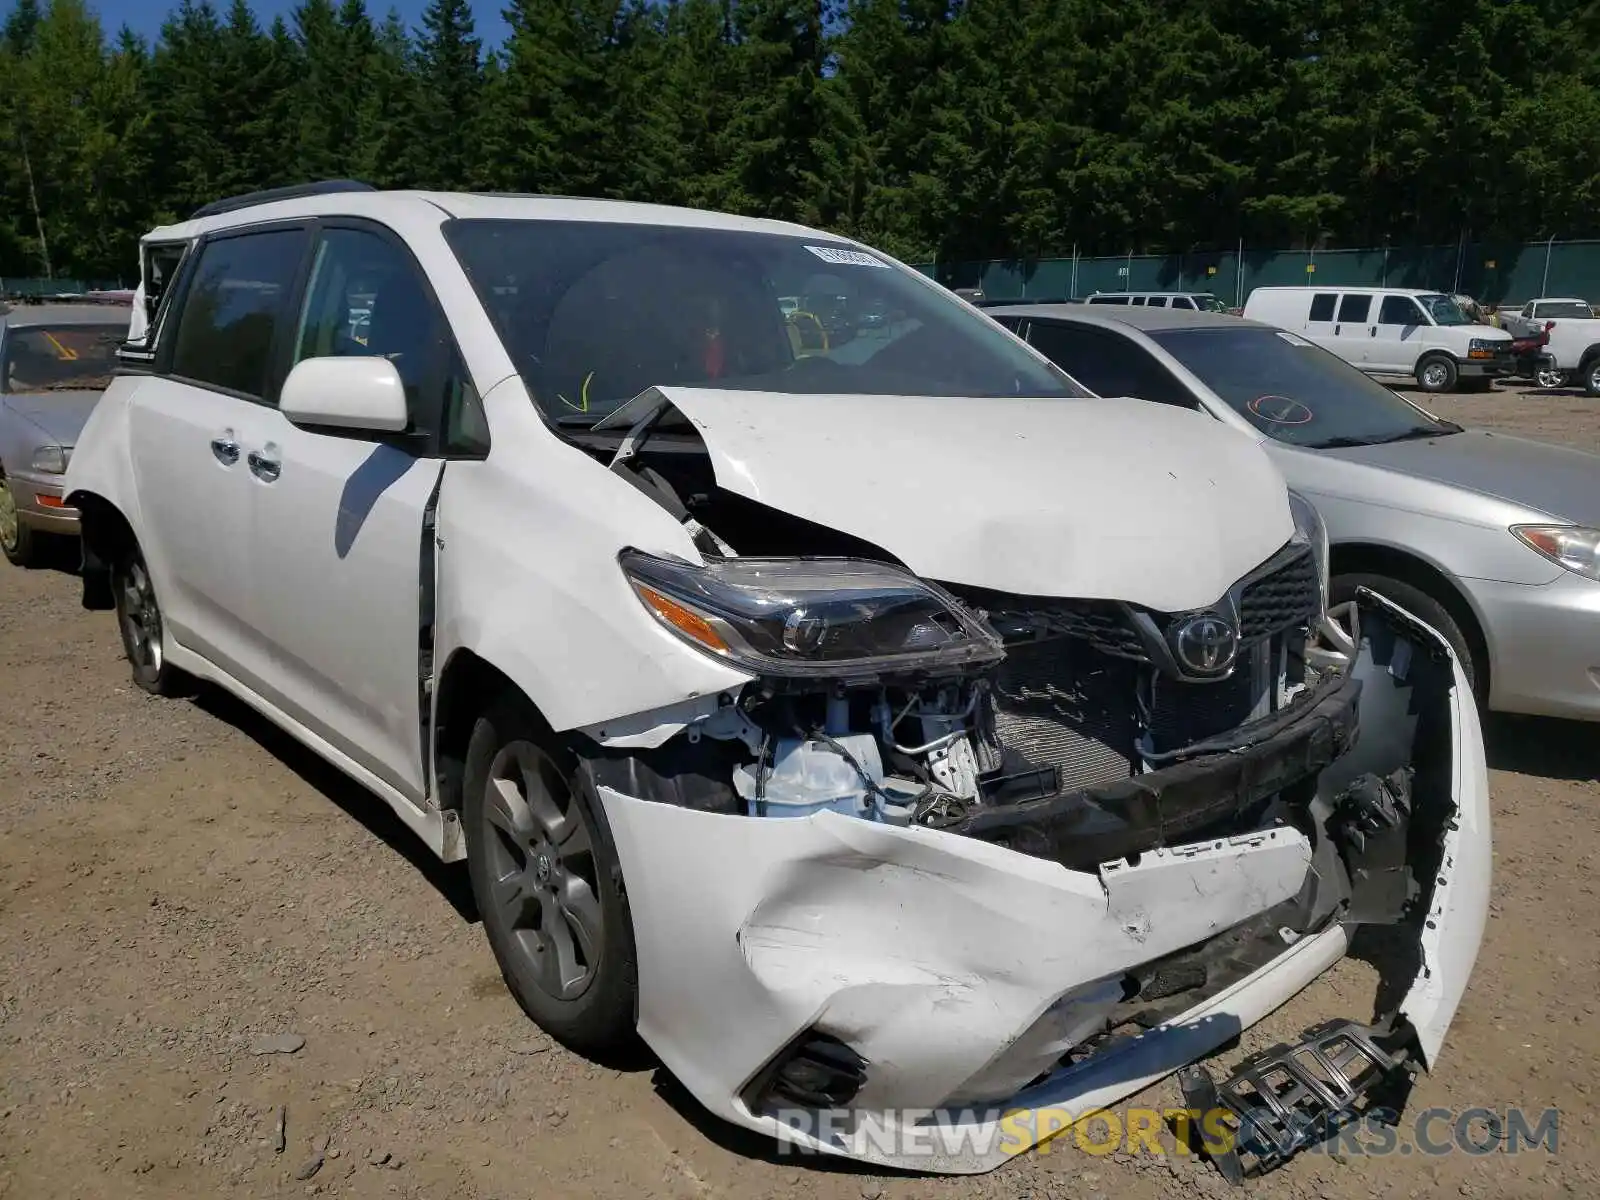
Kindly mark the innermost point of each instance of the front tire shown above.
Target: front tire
(548, 884)
(17, 541)
(1342, 590)
(140, 622)
(1437, 373)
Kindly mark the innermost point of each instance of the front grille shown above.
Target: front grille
(1063, 706)
(1183, 713)
(1104, 625)
(1286, 595)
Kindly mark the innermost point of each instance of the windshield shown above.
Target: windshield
(1209, 303)
(55, 358)
(1564, 308)
(1444, 310)
(595, 312)
(1294, 392)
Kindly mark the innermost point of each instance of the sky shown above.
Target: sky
(145, 16)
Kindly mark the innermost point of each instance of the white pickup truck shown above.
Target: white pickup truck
(1573, 348)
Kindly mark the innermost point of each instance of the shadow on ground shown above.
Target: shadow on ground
(448, 879)
(1543, 746)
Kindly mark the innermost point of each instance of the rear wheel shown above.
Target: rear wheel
(17, 540)
(140, 623)
(1591, 376)
(547, 883)
(1342, 590)
(1437, 373)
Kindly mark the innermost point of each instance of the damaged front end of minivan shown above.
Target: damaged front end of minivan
(960, 858)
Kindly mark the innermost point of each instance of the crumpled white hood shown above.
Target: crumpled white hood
(1088, 498)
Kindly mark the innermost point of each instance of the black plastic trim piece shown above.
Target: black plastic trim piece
(293, 191)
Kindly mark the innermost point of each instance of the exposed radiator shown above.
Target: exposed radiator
(1063, 705)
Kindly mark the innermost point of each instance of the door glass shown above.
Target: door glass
(365, 298)
(1158, 301)
(1354, 309)
(236, 305)
(1322, 306)
(1399, 310)
(1108, 363)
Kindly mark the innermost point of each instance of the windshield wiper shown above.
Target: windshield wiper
(1421, 431)
(1405, 435)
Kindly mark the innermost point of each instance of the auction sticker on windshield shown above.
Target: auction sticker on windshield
(846, 258)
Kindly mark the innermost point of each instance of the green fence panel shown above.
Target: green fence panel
(1499, 272)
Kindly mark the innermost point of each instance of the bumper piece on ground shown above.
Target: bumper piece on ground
(1291, 1097)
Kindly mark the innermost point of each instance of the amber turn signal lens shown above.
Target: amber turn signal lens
(690, 624)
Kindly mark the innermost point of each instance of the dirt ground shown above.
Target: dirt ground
(183, 890)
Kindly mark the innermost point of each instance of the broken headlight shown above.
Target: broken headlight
(814, 616)
(1310, 530)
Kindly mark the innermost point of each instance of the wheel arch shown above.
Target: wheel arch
(106, 533)
(1349, 558)
(465, 686)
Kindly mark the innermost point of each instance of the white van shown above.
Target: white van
(1390, 331)
(1201, 301)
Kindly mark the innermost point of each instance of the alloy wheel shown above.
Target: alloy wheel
(541, 861)
(141, 618)
(1433, 375)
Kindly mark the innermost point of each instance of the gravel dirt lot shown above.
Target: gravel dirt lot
(209, 941)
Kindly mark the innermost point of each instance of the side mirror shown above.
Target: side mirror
(356, 393)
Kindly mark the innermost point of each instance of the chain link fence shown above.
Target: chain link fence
(1498, 273)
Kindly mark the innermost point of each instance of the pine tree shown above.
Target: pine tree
(444, 117)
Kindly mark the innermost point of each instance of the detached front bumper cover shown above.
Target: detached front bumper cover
(846, 985)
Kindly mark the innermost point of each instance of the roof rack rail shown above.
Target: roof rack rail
(293, 191)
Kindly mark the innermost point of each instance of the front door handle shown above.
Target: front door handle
(226, 450)
(263, 468)
(1336, 329)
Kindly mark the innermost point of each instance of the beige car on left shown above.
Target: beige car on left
(55, 360)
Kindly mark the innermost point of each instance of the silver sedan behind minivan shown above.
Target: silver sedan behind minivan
(1492, 539)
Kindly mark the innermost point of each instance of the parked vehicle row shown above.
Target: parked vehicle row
(871, 724)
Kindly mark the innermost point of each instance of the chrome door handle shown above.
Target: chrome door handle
(262, 467)
(226, 450)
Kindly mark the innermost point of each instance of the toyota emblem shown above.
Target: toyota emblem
(1207, 644)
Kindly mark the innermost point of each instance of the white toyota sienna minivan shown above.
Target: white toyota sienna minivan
(817, 682)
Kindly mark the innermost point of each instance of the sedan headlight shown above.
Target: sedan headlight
(1571, 546)
(52, 460)
(810, 617)
(1310, 530)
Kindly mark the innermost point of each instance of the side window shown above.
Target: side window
(1322, 306)
(1108, 363)
(366, 298)
(1182, 302)
(234, 308)
(1354, 308)
(1139, 300)
(1399, 310)
(1011, 323)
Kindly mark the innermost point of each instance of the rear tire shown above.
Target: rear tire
(18, 542)
(1591, 376)
(140, 622)
(1422, 605)
(547, 882)
(1437, 373)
